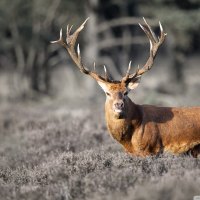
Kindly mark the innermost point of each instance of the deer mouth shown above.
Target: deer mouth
(118, 113)
(118, 110)
(118, 107)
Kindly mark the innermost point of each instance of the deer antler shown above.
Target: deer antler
(69, 45)
(155, 43)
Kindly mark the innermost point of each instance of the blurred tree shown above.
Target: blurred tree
(182, 19)
(28, 26)
(115, 30)
(26, 29)
(112, 33)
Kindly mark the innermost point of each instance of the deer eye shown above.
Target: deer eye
(107, 93)
(125, 93)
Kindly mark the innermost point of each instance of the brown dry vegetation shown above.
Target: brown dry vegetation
(53, 152)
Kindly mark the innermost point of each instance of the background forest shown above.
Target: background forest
(30, 65)
(53, 139)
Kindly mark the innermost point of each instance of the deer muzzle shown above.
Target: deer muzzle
(118, 106)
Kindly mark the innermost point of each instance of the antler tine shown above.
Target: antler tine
(148, 33)
(67, 31)
(60, 40)
(162, 34)
(70, 28)
(129, 68)
(155, 43)
(69, 45)
(71, 39)
(78, 52)
(124, 79)
(106, 73)
(152, 33)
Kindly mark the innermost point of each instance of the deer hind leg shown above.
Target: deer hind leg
(195, 151)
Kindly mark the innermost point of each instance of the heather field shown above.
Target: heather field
(64, 153)
(54, 143)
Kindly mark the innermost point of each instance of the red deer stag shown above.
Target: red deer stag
(141, 129)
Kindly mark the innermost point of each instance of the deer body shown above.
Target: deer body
(142, 129)
(148, 130)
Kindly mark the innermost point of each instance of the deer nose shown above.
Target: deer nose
(119, 104)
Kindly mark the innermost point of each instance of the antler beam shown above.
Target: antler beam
(155, 43)
(69, 45)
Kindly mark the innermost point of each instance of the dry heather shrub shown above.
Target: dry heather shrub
(63, 154)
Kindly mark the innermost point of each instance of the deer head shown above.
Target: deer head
(116, 91)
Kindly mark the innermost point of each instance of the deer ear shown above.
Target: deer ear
(134, 83)
(103, 86)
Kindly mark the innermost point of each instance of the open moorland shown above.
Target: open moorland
(53, 152)
(61, 150)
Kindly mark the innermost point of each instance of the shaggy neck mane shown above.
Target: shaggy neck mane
(121, 127)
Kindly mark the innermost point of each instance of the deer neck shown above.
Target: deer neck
(122, 127)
